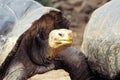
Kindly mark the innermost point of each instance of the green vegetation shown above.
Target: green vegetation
(45, 2)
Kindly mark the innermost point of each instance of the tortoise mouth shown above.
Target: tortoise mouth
(64, 41)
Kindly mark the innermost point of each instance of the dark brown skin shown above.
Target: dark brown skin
(30, 54)
(75, 63)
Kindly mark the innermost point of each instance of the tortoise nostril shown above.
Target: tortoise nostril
(60, 34)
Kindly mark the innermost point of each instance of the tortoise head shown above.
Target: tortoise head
(60, 38)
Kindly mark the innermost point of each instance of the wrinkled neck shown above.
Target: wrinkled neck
(51, 53)
(54, 51)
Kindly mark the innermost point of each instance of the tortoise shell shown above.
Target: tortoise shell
(101, 42)
(15, 20)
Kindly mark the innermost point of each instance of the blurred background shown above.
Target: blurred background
(78, 12)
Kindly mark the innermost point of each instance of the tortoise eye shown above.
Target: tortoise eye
(60, 34)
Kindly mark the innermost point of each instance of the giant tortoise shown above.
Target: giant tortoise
(24, 31)
(24, 49)
(101, 41)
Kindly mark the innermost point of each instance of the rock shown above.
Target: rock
(64, 5)
(73, 2)
(52, 75)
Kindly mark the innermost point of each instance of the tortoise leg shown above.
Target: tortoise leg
(43, 69)
(16, 72)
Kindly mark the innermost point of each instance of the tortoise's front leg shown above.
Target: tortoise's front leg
(16, 71)
(43, 69)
